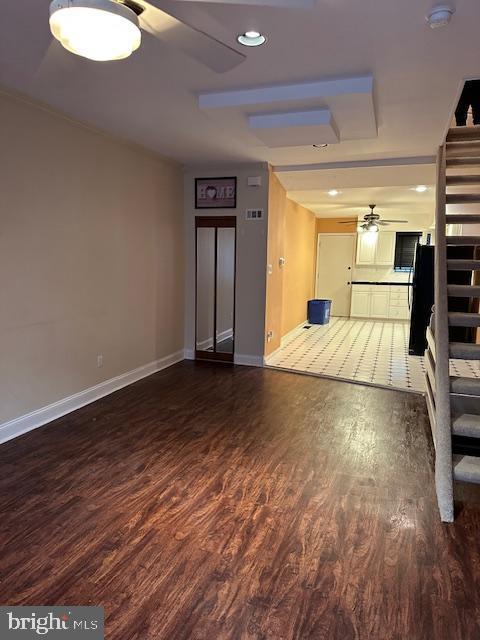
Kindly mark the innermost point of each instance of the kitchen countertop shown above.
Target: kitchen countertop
(385, 284)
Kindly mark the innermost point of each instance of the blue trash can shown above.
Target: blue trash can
(319, 311)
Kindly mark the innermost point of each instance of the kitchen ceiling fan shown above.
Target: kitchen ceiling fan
(112, 29)
(372, 221)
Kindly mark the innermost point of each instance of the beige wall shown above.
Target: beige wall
(291, 235)
(91, 257)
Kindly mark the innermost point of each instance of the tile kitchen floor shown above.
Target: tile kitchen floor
(367, 351)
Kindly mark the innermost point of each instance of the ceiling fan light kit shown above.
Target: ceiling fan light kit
(99, 30)
(372, 222)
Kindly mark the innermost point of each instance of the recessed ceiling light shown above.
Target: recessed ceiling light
(320, 146)
(334, 192)
(440, 16)
(421, 188)
(96, 29)
(251, 39)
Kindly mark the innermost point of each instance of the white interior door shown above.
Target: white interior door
(335, 257)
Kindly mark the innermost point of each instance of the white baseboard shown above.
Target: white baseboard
(249, 361)
(283, 341)
(189, 354)
(292, 332)
(204, 345)
(208, 343)
(35, 419)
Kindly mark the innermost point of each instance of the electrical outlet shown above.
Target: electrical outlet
(100, 360)
(269, 336)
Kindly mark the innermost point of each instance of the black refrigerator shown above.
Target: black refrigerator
(421, 297)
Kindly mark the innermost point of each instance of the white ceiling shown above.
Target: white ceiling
(390, 188)
(392, 202)
(151, 98)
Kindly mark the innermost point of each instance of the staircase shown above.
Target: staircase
(454, 402)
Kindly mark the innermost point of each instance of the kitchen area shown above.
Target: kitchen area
(374, 266)
(368, 276)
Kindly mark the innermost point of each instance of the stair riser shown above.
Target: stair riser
(463, 198)
(464, 404)
(463, 241)
(466, 446)
(463, 162)
(466, 266)
(461, 181)
(461, 134)
(459, 291)
(471, 150)
(461, 351)
(458, 218)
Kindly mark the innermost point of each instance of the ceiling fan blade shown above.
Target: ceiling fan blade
(289, 4)
(398, 221)
(194, 41)
(347, 222)
(384, 223)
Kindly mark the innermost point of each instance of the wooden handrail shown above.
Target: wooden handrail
(443, 435)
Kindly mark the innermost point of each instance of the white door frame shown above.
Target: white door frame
(333, 235)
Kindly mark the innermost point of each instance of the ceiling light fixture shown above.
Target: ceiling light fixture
(371, 227)
(421, 188)
(440, 16)
(251, 39)
(334, 192)
(95, 29)
(320, 146)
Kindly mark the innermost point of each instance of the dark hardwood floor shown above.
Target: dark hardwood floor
(221, 503)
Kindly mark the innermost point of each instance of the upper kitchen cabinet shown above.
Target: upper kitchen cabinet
(385, 254)
(376, 249)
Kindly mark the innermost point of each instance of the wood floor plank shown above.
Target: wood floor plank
(223, 503)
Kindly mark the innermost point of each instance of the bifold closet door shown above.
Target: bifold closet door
(215, 288)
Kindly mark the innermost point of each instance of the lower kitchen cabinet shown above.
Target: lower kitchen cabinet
(378, 301)
(360, 306)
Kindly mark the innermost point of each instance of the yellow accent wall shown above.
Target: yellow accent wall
(332, 225)
(291, 235)
(277, 199)
(299, 270)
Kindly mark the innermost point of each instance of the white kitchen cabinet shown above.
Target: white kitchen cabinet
(398, 308)
(380, 301)
(376, 249)
(385, 251)
(366, 247)
(379, 304)
(360, 307)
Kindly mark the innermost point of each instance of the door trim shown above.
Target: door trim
(335, 235)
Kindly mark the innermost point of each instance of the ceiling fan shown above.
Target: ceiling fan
(372, 220)
(112, 29)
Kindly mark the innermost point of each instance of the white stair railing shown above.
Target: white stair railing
(443, 433)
